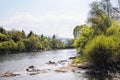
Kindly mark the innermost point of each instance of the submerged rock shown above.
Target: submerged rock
(62, 61)
(84, 65)
(72, 57)
(60, 70)
(31, 66)
(34, 73)
(50, 62)
(32, 69)
(90, 71)
(9, 74)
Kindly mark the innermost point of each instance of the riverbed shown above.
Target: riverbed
(21, 61)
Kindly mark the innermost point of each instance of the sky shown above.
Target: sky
(46, 17)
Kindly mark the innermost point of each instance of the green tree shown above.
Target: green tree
(23, 34)
(83, 39)
(69, 43)
(114, 29)
(2, 30)
(99, 19)
(32, 43)
(54, 37)
(20, 46)
(15, 35)
(77, 31)
(30, 34)
(46, 44)
(12, 45)
(3, 37)
(8, 46)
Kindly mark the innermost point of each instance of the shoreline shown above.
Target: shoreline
(1, 52)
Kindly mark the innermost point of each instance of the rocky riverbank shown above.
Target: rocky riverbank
(33, 70)
(83, 68)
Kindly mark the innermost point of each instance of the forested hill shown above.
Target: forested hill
(19, 41)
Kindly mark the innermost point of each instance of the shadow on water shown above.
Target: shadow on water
(98, 77)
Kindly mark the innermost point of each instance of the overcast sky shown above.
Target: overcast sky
(44, 16)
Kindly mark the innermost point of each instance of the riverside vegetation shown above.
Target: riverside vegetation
(18, 41)
(99, 42)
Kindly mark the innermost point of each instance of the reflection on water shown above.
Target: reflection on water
(21, 61)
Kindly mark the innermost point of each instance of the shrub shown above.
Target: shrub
(114, 29)
(100, 50)
(80, 59)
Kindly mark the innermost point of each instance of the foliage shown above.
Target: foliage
(80, 59)
(100, 50)
(30, 34)
(114, 32)
(32, 43)
(77, 31)
(21, 46)
(114, 29)
(15, 35)
(2, 30)
(85, 36)
(70, 43)
(99, 19)
(56, 43)
(99, 43)
(18, 41)
(3, 37)
(8, 46)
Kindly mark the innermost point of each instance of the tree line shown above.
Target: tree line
(19, 41)
(98, 41)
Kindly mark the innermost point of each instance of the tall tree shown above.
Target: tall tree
(30, 34)
(98, 18)
(2, 30)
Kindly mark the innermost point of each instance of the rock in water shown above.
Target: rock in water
(9, 74)
(31, 66)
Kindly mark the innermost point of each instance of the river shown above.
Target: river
(20, 61)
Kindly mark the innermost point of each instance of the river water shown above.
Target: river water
(21, 61)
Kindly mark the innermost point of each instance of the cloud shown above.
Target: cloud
(61, 25)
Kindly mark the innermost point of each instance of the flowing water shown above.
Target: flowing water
(21, 61)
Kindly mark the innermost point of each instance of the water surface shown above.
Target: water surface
(20, 61)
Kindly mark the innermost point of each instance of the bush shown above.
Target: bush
(114, 32)
(114, 29)
(100, 50)
(80, 59)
